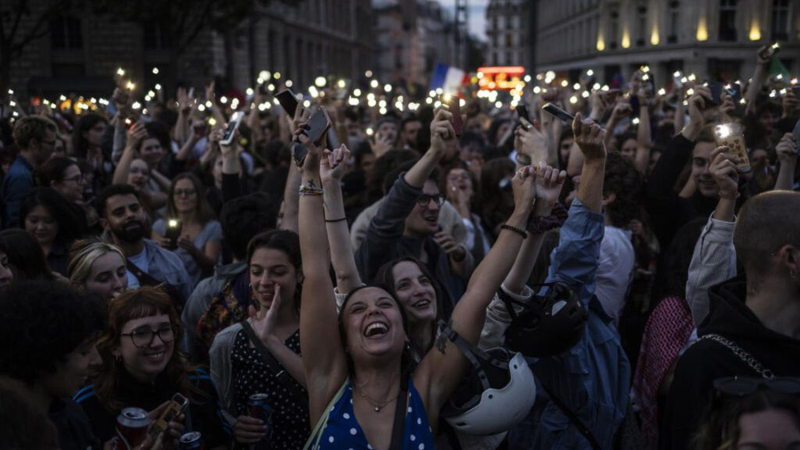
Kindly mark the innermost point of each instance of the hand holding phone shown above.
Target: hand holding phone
(558, 112)
(173, 233)
(730, 135)
(522, 112)
(288, 101)
(316, 128)
(171, 412)
(455, 110)
(233, 125)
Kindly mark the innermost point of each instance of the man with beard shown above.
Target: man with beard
(126, 224)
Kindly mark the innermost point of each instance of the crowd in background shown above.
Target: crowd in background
(624, 280)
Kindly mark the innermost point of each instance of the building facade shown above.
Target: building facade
(83, 51)
(507, 33)
(411, 38)
(711, 38)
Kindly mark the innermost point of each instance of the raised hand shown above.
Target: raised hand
(787, 149)
(265, 321)
(381, 145)
(210, 92)
(524, 190)
(334, 164)
(441, 131)
(727, 107)
(229, 149)
(530, 141)
(450, 246)
(700, 108)
(548, 182)
(590, 138)
(621, 109)
(136, 134)
(723, 169)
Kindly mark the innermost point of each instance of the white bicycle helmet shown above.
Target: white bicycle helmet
(495, 395)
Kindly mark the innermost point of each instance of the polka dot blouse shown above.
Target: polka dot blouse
(290, 427)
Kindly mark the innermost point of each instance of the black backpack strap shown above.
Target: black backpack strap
(399, 418)
(584, 430)
(275, 367)
(471, 352)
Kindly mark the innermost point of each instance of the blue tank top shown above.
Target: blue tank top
(342, 430)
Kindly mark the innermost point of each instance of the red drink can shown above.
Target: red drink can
(132, 426)
(191, 441)
(258, 407)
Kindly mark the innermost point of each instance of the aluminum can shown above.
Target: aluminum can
(132, 426)
(191, 441)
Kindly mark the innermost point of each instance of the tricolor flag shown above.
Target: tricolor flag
(448, 78)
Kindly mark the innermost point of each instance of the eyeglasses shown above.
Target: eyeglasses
(424, 200)
(77, 178)
(143, 338)
(186, 192)
(456, 176)
(741, 386)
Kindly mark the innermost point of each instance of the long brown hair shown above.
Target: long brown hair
(142, 302)
(203, 212)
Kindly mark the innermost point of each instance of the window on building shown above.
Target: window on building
(509, 40)
(780, 20)
(727, 20)
(674, 17)
(66, 33)
(613, 29)
(641, 35)
(155, 36)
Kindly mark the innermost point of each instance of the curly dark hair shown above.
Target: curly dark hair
(86, 122)
(245, 217)
(622, 180)
(45, 321)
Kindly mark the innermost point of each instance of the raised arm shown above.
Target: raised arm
(787, 154)
(440, 371)
(644, 140)
(332, 168)
(714, 259)
(759, 78)
(290, 192)
(324, 363)
(549, 182)
(135, 137)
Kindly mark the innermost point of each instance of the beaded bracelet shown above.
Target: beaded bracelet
(310, 191)
(519, 231)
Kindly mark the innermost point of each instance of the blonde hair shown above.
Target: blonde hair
(83, 253)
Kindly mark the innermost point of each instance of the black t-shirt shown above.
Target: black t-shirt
(203, 413)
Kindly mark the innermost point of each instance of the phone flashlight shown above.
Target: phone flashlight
(370, 132)
(775, 46)
(120, 72)
(212, 121)
(172, 223)
(130, 85)
(723, 131)
(341, 84)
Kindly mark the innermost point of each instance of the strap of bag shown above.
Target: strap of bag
(313, 441)
(275, 367)
(746, 358)
(584, 430)
(399, 419)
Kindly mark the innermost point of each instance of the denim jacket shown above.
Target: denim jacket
(593, 377)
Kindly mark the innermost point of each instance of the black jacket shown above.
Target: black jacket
(74, 428)
(203, 414)
(707, 360)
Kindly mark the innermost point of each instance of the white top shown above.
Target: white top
(615, 271)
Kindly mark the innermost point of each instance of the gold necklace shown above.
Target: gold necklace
(378, 405)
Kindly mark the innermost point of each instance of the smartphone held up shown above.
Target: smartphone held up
(730, 135)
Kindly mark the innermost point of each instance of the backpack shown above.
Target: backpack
(227, 308)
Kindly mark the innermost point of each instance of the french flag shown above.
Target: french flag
(448, 78)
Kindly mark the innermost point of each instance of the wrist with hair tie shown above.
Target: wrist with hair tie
(543, 224)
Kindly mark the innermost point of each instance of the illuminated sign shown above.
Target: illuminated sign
(501, 78)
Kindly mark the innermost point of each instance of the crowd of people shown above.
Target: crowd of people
(498, 279)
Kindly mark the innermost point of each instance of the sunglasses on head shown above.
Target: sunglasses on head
(742, 386)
